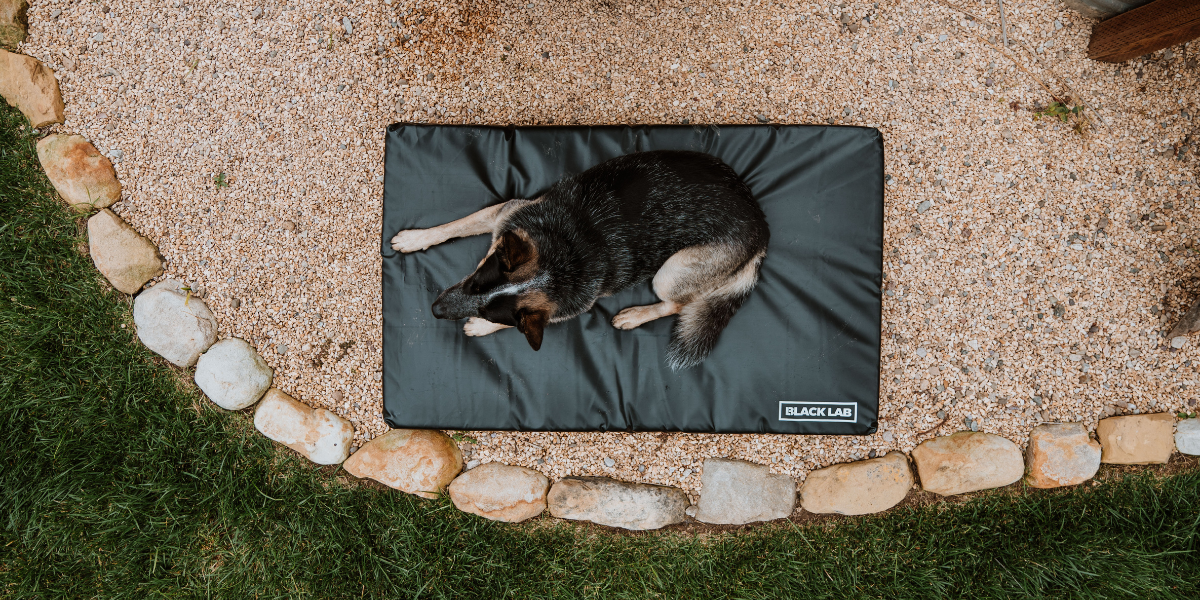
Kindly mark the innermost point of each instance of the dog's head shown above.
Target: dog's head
(505, 289)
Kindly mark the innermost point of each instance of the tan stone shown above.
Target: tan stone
(31, 87)
(858, 488)
(500, 492)
(1136, 439)
(14, 22)
(418, 461)
(317, 434)
(967, 462)
(127, 259)
(83, 177)
(636, 506)
(1060, 454)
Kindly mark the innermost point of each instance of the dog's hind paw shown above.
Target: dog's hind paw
(412, 240)
(476, 327)
(631, 317)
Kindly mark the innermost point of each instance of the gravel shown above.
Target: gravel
(983, 278)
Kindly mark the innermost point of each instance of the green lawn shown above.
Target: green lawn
(117, 480)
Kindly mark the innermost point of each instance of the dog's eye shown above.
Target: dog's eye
(501, 310)
(486, 277)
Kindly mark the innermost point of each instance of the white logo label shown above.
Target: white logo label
(844, 412)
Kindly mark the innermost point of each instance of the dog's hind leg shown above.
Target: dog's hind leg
(635, 316)
(478, 223)
(477, 327)
(705, 286)
(686, 275)
(703, 318)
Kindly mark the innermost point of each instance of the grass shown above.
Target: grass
(117, 480)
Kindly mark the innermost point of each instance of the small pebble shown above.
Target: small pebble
(608, 462)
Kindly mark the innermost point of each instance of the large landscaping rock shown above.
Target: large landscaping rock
(233, 375)
(174, 325)
(1060, 454)
(858, 488)
(124, 257)
(14, 22)
(317, 434)
(1187, 436)
(736, 492)
(500, 492)
(615, 503)
(966, 462)
(31, 87)
(83, 177)
(1136, 439)
(417, 461)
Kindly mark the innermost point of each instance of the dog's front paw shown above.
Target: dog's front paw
(476, 327)
(412, 240)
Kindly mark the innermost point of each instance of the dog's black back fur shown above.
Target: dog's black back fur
(615, 224)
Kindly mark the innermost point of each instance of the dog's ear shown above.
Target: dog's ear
(532, 323)
(514, 251)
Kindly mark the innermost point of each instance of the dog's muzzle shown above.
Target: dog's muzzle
(453, 304)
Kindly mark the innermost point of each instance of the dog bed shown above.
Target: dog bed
(801, 356)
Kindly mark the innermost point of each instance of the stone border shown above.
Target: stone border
(179, 327)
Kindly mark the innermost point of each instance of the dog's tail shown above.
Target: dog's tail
(701, 321)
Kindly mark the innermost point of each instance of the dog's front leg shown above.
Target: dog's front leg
(412, 240)
(477, 327)
(478, 223)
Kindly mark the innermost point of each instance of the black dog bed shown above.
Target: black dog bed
(801, 356)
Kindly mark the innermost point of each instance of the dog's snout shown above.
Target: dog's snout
(453, 304)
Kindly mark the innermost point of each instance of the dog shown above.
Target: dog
(685, 218)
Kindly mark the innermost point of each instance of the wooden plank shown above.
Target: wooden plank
(1160, 24)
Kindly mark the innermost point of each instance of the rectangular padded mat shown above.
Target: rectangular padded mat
(801, 356)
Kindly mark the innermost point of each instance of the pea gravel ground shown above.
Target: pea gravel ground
(1031, 270)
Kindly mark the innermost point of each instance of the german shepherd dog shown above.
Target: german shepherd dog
(684, 217)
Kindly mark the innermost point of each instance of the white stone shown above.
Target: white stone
(1187, 436)
(175, 326)
(317, 434)
(232, 374)
(735, 492)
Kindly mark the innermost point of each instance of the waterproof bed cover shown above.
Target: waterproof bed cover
(801, 356)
